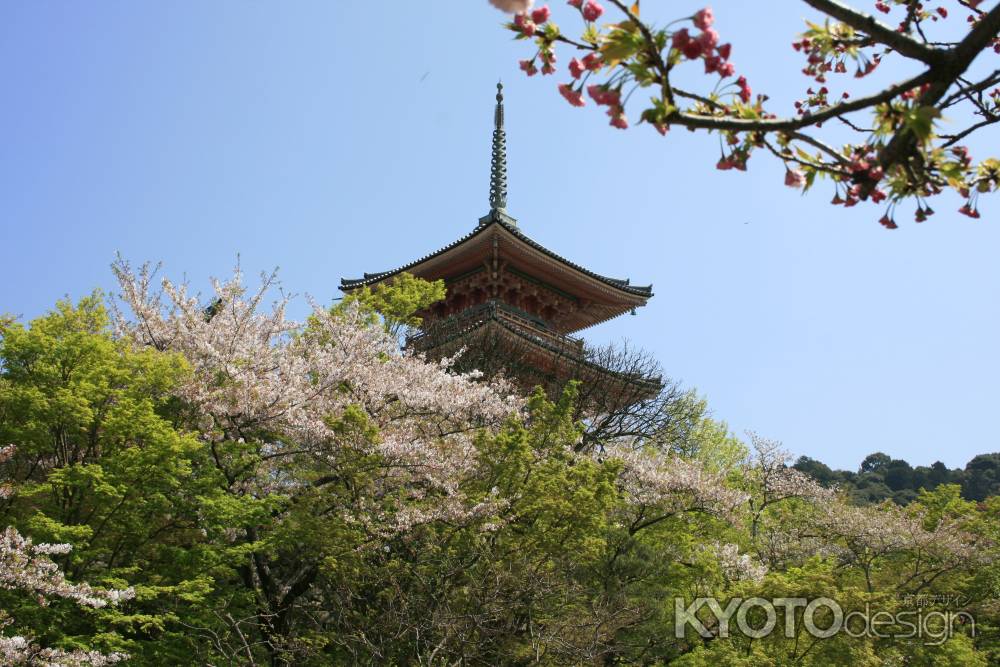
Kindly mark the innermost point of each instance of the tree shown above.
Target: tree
(875, 463)
(898, 150)
(815, 469)
(316, 430)
(397, 300)
(100, 468)
(898, 475)
(350, 467)
(28, 571)
(982, 477)
(939, 474)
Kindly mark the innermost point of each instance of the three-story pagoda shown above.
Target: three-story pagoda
(512, 303)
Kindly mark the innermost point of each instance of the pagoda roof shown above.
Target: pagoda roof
(566, 352)
(622, 284)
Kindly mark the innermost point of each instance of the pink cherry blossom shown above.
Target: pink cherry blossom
(576, 68)
(250, 367)
(618, 118)
(708, 39)
(736, 566)
(28, 567)
(794, 178)
(671, 484)
(541, 15)
(692, 49)
(680, 39)
(524, 24)
(744, 88)
(592, 61)
(704, 18)
(603, 95)
(592, 10)
(22, 651)
(574, 97)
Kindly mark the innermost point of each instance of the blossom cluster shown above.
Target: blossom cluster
(702, 46)
(738, 566)
(864, 533)
(6, 489)
(705, 46)
(289, 386)
(776, 481)
(672, 484)
(28, 567)
(19, 650)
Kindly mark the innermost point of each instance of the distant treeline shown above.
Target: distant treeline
(882, 477)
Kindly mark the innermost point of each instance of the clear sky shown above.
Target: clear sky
(333, 138)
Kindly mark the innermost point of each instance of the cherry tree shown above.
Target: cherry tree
(256, 373)
(862, 537)
(662, 484)
(318, 423)
(897, 146)
(870, 537)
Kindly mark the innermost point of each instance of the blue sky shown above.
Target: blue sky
(333, 138)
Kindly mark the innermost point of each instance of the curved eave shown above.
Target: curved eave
(606, 319)
(620, 284)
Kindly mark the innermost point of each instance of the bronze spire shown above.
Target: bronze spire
(498, 166)
(498, 169)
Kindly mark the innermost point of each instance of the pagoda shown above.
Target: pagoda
(513, 304)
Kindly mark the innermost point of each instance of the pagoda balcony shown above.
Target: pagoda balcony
(438, 331)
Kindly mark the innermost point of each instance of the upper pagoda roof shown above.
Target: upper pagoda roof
(621, 284)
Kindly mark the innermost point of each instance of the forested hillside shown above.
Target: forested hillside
(881, 477)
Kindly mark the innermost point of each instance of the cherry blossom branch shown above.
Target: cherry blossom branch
(879, 31)
(900, 155)
(695, 121)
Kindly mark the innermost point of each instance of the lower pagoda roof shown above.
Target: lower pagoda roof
(566, 354)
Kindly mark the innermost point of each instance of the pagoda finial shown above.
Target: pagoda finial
(498, 167)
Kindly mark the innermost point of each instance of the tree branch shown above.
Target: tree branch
(952, 140)
(941, 79)
(981, 35)
(880, 32)
(779, 124)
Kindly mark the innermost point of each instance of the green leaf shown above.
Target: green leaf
(920, 121)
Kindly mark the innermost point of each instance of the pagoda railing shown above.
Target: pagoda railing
(493, 309)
